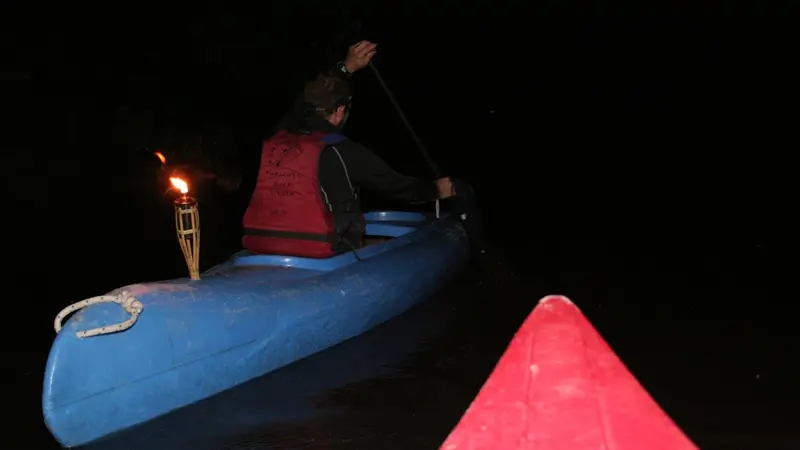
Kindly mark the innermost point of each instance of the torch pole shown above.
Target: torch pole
(187, 226)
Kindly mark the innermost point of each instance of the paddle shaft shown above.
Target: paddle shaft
(464, 204)
(414, 136)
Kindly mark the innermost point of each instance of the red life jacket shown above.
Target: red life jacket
(288, 214)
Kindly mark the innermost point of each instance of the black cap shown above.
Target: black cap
(326, 93)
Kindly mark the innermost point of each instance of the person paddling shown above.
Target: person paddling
(306, 202)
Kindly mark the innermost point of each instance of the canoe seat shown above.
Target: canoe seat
(388, 230)
(390, 224)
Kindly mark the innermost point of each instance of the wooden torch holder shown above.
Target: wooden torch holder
(187, 226)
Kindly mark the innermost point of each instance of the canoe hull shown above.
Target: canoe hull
(243, 319)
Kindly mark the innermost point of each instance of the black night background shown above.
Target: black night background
(627, 155)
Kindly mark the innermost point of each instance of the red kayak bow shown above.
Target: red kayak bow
(559, 386)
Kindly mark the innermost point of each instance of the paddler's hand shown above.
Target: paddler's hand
(359, 55)
(445, 187)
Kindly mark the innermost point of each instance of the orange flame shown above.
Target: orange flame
(161, 157)
(179, 184)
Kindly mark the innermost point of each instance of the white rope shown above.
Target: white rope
(129, 304)
(437, 208)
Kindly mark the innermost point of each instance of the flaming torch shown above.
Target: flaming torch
(161, 158)
(187, 225)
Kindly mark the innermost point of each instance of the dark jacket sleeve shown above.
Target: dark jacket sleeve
(368, 170)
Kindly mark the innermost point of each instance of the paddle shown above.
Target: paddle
(417, 141)
(353, 33)
(463, 205)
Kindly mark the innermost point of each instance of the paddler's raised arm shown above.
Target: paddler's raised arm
(358, 56)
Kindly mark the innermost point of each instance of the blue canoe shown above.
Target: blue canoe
(292, 394)
(246, 317)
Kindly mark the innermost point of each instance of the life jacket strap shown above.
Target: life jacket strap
(332, 239)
